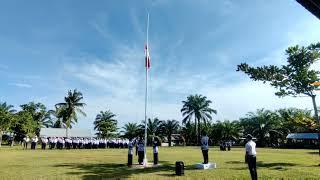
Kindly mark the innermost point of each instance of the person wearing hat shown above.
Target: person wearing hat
(205, 148)
(251, 157)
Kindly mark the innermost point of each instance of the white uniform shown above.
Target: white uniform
(204, 143)
(251, 148)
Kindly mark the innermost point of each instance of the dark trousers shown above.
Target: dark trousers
(252, 164)
(33, 145)
(140, 156)
(155, 158)
(130, 159)
(43, 146)
(205, 156)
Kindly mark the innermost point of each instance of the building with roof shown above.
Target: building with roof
(302, 140)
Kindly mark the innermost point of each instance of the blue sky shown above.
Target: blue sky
(49, 47)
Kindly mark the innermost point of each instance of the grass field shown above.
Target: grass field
(111, 163)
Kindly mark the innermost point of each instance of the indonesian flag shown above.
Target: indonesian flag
(147, 63)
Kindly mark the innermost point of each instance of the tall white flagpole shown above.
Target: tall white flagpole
(145, 161)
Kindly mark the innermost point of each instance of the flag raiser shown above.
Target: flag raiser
(147, 63)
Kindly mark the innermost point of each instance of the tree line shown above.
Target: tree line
(34, 116)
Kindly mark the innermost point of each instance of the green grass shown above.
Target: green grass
(110, 163)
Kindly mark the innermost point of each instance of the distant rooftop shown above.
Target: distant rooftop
(61, 132)
(302, 136)
(311, 5)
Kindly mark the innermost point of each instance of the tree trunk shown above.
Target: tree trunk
(195, 129)
(169, 140)
(199, 132)
(67, 132)
(317, 117)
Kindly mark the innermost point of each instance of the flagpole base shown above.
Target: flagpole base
(145, 162)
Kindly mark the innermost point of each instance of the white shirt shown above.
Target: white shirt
(251, 148)
(155, 149)
(204, 143)
(44, 140)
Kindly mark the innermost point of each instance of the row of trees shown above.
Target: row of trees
(269, 127)
(34, 116)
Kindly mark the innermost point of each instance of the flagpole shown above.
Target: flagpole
(146, 103)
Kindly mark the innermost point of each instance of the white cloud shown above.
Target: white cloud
(21, 85)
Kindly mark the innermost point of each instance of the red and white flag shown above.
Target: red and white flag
(147, 63)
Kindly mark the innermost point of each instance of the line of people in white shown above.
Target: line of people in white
(74, 143)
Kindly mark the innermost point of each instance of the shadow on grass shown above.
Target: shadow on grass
(113, 170)
(260, 164)
(315, 152)
(235, 162)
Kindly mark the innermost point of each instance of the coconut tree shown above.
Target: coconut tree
(130, 130)
(168, 128)
(71, 107)
(105, 124)
(6, 116)
(197, 106)
(263, 124)
(230, 130)
(153, 127)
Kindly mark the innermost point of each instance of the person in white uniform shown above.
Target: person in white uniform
(155, 152)
(44, 141)
(34, 141)
(205, 147)
(140, 149)
(130, 153)
(26, 140)
(250, 157)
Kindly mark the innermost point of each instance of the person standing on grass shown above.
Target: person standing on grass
(44, 141)
(251, 157)
(34, 142)
(130, 153)
(205, 147)
(26, 140)
(140, 147)
(155, 152)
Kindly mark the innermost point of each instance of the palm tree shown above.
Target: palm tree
(57, 118)
(188, 133)
(71, 107)
(168, 128)
(230, 130)
(197, 106)
(130, 130)
(105, 124)
(6, 116)
(263, 124)
(153, 127)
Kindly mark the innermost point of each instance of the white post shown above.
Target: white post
(145, 161)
